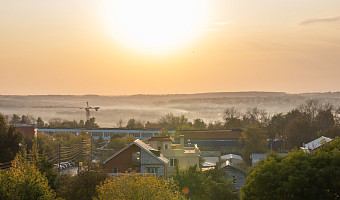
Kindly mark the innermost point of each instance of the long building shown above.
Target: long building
(212, 141)
(106, 133)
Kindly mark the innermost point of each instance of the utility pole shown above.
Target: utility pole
(91, 146)
(59, 159)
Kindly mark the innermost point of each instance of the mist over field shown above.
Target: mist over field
(207, 106)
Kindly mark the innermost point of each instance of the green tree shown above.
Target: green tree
(232, 118)
(10, 140)
(131, 186)
(199, 124)
(324, 120)
(134, 124)
(297, 176)
(91, 123)
(40, 122)
(151, 125)
(210, 184)
(216, 125)
(83, 185)
(23, 181)
(26, 119)
(171, 122)
(117, 142)
(15, 119)
(297, 132)
(254, 140)
(276, 126)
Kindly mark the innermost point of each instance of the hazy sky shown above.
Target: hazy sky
(70, 47)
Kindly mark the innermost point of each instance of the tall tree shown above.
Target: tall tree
(254, 140)
(15, 119)
(10, 140)
(40, 122)
(23, 181)
(199, 124)
(297, 132)
(83, 185)
(232, 118)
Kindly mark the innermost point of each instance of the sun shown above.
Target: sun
(155, 25)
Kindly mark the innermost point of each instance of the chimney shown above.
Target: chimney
(181, 141)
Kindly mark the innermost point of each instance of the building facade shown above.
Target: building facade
(137, 157)
(179, 156)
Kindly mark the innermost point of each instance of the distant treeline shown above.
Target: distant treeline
(53, 123)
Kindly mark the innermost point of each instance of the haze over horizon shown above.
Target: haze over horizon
(114, 48)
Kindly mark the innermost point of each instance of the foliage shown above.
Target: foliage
(209, 184)
(91, 123)
(83, 185)
(118, 142)
(133, 124)
(10, 140)
(24, 181)
(171, 122)
(40, 123)
(133, 186)
(254, 140)
(216, 125)
(297, 132)
(199, 124)
(15, 119)
(299, 175)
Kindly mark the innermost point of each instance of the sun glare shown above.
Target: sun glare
(155, 25)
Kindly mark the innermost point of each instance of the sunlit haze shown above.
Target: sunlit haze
(160, 47)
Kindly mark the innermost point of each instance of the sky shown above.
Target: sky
(112, 48)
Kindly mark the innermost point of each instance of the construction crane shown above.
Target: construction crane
(87, 110)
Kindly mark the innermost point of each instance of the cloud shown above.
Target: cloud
(320, 20)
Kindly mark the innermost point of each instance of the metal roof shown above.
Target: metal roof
(143, 146)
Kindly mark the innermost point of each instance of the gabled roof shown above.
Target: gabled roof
(316, 143)
(229, 164)
(143, 146)
(231, 156)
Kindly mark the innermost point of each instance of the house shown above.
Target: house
(29, 130)
(137, 157)
(315, 144)
(234, 173)
(178, 155)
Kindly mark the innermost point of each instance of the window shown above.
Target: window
(234, 179)
(135, 157)
(153, 170)
(173, 162)
(166, 146)
(115, 170)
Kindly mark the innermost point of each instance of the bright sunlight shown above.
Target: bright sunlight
(155, 25)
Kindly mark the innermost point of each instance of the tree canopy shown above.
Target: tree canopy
(299, 175)
(23, 181)
(133, 186)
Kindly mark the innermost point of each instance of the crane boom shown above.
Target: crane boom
(87, 110)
